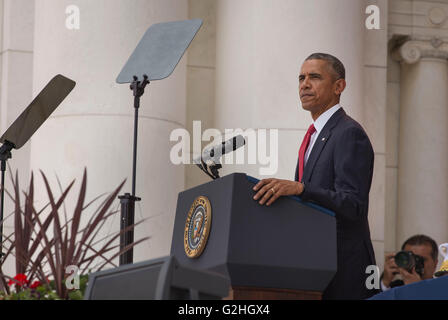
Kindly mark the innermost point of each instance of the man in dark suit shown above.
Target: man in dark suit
(334, 170)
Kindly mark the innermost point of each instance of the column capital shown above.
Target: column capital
(413, 50)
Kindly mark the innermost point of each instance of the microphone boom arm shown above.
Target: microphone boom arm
(213, 173)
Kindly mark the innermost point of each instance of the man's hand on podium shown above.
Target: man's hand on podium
(269, 190)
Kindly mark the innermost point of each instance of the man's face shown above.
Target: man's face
(424, 251)
(318, 88)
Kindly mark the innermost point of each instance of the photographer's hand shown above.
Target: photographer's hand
(390, 269)
(410, 277)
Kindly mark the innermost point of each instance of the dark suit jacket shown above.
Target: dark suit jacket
(338, 176)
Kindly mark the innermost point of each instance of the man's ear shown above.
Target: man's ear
(340, 86)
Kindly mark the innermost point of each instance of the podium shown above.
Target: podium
(285, 251)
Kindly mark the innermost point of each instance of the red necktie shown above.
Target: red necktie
(303, 148)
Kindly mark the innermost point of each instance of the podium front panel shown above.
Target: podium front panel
(288, 245)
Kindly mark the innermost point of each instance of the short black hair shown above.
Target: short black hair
(335, 63)
(421, 239)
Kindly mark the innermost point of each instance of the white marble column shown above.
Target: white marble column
(93, 127)
(374, 122)
(201, 80)
(16, 77)
(423, 145)
(261, 45)
(16, 88)
(392, 143)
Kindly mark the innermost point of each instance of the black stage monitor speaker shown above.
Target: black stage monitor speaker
(158, 279)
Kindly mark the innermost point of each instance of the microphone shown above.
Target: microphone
(216, 152)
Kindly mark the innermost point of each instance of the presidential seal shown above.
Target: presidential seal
(197, 227)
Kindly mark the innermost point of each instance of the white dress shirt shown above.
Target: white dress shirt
(319, 124)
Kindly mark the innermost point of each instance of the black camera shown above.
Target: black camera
(408, 260)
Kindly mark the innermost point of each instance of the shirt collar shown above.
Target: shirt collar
(320, 122)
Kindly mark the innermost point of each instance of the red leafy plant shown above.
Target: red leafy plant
(41, 255)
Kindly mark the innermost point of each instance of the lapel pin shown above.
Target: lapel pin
(323, 139)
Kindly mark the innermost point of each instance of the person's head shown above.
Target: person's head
(425, 247)
(321, 83)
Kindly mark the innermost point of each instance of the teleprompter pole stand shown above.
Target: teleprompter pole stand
(5, 154)
(155, 58)
(128, 200)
